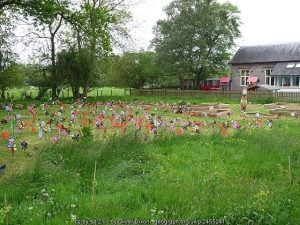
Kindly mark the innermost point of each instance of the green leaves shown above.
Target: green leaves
(196, 37)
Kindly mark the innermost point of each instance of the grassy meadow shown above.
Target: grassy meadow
(250, 176)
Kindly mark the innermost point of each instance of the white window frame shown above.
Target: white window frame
(244, 75)
(269, 77)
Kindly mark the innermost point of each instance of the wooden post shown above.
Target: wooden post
(97, 93)
(101, 93)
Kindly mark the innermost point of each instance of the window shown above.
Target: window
(295, 81)
(244, 76)
(269, 80)
(290, 65)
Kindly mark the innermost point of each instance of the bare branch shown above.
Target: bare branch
(7, 2)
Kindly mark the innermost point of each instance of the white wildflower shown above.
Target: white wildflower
(73, 217)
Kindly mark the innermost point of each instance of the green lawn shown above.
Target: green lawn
(16, 93)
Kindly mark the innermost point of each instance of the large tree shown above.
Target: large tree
(94, 25)
(47, 16)
(196, 38)
(73, 66)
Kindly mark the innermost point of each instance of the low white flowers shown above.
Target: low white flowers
(73, 217)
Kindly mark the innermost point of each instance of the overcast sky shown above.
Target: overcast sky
(264, 21)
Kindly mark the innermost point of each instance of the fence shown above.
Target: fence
(229, 95)
(287, 96)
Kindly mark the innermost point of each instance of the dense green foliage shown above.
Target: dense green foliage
(196, 38)
(243, 178)
(136, 70)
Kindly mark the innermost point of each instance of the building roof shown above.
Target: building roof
(267, 53)
(282, 68)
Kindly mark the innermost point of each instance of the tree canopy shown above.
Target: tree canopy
(196, 38)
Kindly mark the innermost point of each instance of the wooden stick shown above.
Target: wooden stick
(5, 203)
(94, 182)
(290, 176)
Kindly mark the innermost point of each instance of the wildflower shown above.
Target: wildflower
(73, 217)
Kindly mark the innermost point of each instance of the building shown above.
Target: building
(266, 66)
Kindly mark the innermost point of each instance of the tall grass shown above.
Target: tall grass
(243, 178)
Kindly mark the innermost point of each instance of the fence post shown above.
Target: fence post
(101, 93)
(111, 92)
(97, 93)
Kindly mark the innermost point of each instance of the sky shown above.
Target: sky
(263, 21)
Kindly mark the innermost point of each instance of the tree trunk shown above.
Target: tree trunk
(2, 93)
(53, 69)
(198, 77)
(75, 92)
(42, 92)
(85, 90)
(53, 62)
